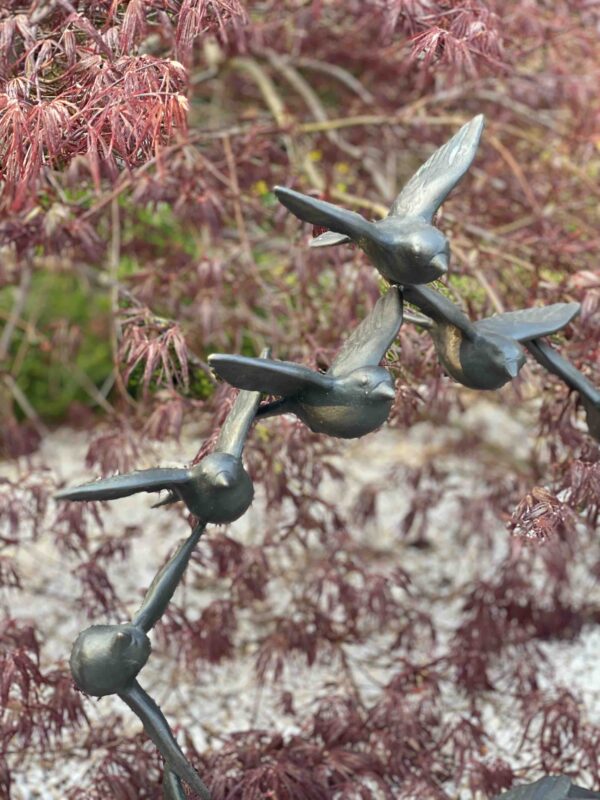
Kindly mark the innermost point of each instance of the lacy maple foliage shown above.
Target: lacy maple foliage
(139, 141)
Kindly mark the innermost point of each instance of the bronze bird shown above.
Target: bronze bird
(485, 354)
(352, 398)
(405, 246)
(106, 659)
(217, 489)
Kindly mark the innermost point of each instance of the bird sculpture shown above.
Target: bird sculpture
(217, 489)
(352, 398)
(405, 246)
(551, 787)
(545, 354)
(485, 354)
(106, 659)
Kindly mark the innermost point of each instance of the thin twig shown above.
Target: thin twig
(312, 100)
(489, 289)
(114, 255)
(517, 172)
(237, 208)
(25, 405)
(16, 311)
(339, 73)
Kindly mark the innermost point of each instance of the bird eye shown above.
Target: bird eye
(121, 641)
(364, 381)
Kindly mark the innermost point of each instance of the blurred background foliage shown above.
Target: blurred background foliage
(139, 144)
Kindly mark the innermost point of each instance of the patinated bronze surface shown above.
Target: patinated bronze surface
(405, 246)
(217, 490)
(485, 354)
(106, 659)
(351, 399)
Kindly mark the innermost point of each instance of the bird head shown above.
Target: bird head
(106, 658)
(411, 244)
(506, 355)
(225, 488)
(372, 384)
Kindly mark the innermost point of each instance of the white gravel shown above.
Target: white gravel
(227, 697)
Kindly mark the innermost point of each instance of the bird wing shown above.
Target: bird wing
(369, 342)
(157, 728)
(326, 215)
(281, 378)
(165, 582)
(530, 323)
(144, 480)
(432, 183)
(232, 436)
(551, 360)
(439, 308)
(551, 787)
(329, 239)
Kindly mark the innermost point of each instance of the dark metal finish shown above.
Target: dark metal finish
(352, 398)
(405, 247)
(217, 489)
(485, 354)
(172, 787)
(106, 659)
(157, 728)
(165, 582)
(555, 787)
(589, 394)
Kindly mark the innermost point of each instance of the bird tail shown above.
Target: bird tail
(274, 408)
(329, 239)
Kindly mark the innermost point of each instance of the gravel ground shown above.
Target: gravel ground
(227, 697)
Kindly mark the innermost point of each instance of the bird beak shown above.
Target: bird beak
(440, 262)
(385, 391)
(223, 480)
(513, 368)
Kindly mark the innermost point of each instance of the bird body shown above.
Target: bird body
(219, 490)
(353, 406)
(353, 398)
(405, 246)
(485, 354)
(478, 362)
(106, 658)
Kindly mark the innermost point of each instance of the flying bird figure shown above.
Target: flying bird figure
(551, 787)
(405, 246)
(556, 364)
(485, 354)
(352, 398)
(106, 659)
(217, 489)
